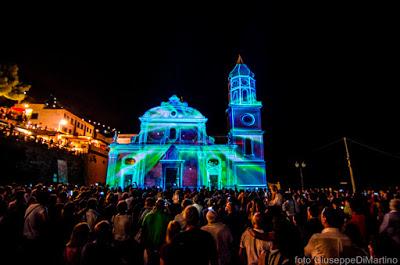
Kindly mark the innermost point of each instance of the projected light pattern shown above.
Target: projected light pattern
(173, 149)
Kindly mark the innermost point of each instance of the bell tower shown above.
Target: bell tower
(244, 112)
(245, 132)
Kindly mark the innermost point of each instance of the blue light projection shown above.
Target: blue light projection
(173, 149)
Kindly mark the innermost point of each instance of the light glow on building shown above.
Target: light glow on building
(173, 149)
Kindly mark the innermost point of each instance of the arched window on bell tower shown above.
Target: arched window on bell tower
(245, 96)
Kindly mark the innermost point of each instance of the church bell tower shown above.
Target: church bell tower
(244, 115)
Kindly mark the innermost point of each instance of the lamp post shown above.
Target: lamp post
(300, 166)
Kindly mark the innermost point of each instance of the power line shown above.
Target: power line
(327, 145)
(374, 149)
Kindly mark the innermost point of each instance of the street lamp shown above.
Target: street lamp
(61, 123)
(300, 166)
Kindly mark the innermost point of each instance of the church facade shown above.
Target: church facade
(173, 149)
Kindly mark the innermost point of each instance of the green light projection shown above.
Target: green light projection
(174, 150)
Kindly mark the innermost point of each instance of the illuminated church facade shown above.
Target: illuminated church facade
(173, 149)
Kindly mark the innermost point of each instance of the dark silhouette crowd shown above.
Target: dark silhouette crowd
(82, 225)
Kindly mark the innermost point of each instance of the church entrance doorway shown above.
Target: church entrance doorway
(213, 182)
(214, 172)
(171, 178)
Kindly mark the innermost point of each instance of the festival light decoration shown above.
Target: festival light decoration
(173, 149)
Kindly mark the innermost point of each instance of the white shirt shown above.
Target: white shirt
(330, 243)
(35, 218)
(122, 224)
(223, 240)
(254, 247)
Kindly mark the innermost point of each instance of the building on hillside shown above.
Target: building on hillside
(173, 149)
(51, 123)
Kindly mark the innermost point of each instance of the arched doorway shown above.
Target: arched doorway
(129, 172)
(214, 172)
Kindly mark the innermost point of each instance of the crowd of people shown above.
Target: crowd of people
(82, 225)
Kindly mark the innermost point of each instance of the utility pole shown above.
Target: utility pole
(353, 184)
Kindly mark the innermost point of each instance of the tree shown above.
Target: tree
(10, 86)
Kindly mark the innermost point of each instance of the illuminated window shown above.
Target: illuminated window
(130, 161)
(234, 96)
(188, 135)
(245, 95)
(172, 133)
(248, 146)
(213, 162)
(156, 135)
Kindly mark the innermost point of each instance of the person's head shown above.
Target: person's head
(122, 207)
(394, 204)
(331, 218)
(274, 188)
(356, 205)
(160, 204)
(172, 230)
(68, 210)
(336, 203)
(102, 232)
(256, 220)
(312, 211)
(42, 196)
(185, 203)
(125, 196)
(92, 203)
(149, 202)
(19, 195)
(191, 216)
(229, 207)
(79, 235)
(211, 216)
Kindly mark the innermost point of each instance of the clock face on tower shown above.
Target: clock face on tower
(248, 119)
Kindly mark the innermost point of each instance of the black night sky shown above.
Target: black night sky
(323, 72)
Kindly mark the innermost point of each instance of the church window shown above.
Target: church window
(248, 119)
(213, 162)
(172, 133)
(188, 135)
(156, 135)
(130, 161)
(245, 95)
(234, 96)
(248, 146)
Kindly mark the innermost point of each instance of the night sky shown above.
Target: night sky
(323, 72)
